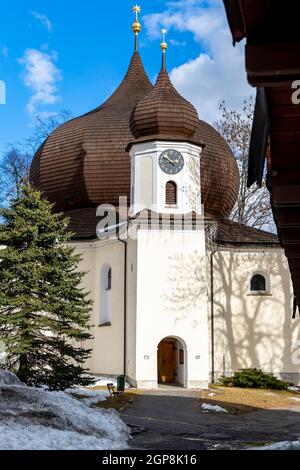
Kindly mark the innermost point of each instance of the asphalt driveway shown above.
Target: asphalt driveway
(173, 420)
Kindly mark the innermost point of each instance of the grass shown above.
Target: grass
(118, 402)
(246, 400)
(256, 443)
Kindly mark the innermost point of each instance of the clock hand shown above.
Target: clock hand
(174, 162)
(168, 159)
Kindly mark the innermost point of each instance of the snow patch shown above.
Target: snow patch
(7, 378)
(103, 381)
(214, 408)
(284, 445)
(34, 418)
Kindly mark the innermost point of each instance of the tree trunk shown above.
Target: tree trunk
(23, 368)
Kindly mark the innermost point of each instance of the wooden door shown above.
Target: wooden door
(166, 362)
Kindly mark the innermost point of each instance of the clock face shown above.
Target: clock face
(171, 162)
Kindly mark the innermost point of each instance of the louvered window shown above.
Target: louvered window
(171, 193)
(258, 283)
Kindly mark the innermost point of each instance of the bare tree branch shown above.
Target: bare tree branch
(15, 162)
(253, 206)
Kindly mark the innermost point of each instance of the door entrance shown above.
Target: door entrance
(167, 361)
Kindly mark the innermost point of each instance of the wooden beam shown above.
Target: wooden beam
(272, 64)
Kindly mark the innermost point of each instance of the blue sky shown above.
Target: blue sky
(57, 55)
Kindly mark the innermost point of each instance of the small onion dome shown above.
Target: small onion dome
(164, 112)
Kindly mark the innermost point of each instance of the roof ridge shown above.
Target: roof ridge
(135, 76)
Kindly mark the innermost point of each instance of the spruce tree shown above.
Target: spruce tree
(44, 312)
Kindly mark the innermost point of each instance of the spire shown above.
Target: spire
(164, 112)
(164, 47)
(136, 27)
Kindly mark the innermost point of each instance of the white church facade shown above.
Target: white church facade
(181, 294)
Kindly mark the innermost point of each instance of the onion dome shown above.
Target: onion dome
(165, 115)
(164, 111)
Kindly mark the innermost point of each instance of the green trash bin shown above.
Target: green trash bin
(121, 383)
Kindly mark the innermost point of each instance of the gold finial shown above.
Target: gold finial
(163, 44)
(136, 9)
(136, 27)
(164, 47)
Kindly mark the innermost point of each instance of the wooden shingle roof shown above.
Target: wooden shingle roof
(164, 111)
(233, 233)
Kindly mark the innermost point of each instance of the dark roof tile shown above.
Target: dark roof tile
(230, 232)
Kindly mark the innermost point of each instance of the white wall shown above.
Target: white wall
(181, 368)
(171, 301)
(145, 196)
(254, 330)
(108, 342)
(131, 308)
(167, 275)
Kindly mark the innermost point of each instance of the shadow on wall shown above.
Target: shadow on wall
(187, 287)
(249, 330)
(253, 330)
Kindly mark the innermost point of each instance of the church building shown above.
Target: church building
(181, 294)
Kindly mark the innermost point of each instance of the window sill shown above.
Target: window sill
(259, 293)
(104, 324)
(171, 206)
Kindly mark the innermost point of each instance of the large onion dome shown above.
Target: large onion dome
(85, 162)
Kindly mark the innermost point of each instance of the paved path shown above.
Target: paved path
(172, 420)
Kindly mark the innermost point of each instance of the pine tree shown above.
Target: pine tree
(44, 312)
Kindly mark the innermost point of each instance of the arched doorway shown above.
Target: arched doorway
(171, 361)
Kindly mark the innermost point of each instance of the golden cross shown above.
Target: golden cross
(136, 9)
(164, 32)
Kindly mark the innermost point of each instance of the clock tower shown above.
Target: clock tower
(167, 332)
(165, 177)
(165, 157)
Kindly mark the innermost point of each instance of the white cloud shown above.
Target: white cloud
(47, 114)
(40, 76)
(218, 72)
(4, 51)
(43, 19)
(176, 43)
(2, 92)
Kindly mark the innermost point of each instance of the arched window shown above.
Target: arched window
(105, 295)
(171, 193)
(258, 283)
